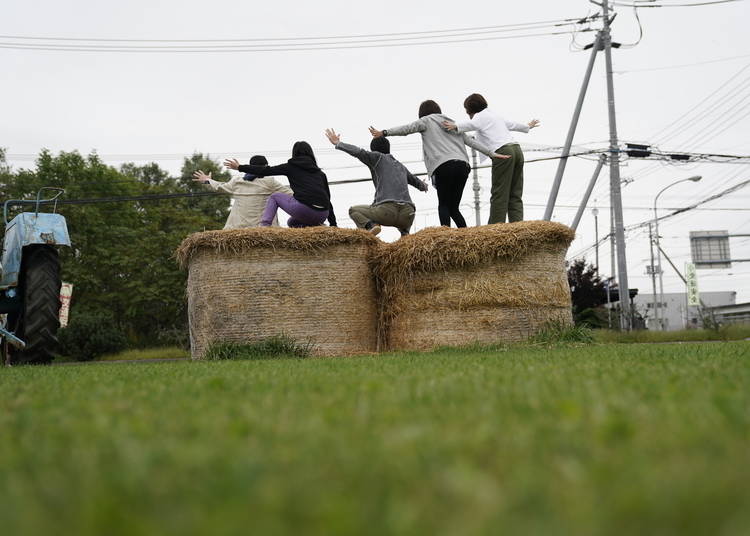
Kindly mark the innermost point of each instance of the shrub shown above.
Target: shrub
(90, 335)
(554, 332)
(278, 346)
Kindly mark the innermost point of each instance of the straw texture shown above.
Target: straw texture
(311, 284)
(444, 286)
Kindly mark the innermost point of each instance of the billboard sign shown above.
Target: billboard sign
(710, 249)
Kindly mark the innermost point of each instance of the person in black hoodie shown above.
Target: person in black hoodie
(310, 202)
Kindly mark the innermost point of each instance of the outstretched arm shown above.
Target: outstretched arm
(403, 130)
(258, 171)
(522, 127)
(474, 144)
(368, 158)
(415, 182)
(463, 126)
(202, 178)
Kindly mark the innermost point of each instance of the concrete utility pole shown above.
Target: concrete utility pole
(595, 212)
(477, 212)
(571, 130)
(587, 194)
(614, 177)
(653, 276)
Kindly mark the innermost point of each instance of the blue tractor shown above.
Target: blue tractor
(30, 281)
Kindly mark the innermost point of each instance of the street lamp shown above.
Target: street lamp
(657, 309)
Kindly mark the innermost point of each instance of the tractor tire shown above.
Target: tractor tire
(38, 322)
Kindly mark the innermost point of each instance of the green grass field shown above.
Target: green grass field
(590, 439)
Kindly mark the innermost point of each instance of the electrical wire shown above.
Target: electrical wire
(553, 22)
(667, 67)
(656, 135)
(300, 45)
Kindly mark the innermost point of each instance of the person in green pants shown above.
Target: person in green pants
(392, 205)
(507, 175)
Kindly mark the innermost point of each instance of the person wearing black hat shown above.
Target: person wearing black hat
(249, 194)
(309, 204)
(392, 205)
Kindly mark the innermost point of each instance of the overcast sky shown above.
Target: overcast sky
(147, 106)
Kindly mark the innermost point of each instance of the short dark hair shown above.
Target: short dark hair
(429, 107)
(381, 145)
(475, 103)
(258, 160)
(302, 148)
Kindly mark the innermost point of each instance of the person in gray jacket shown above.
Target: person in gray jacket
(444, 156)
(392, 205)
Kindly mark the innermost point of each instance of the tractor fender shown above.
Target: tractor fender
(25, 229)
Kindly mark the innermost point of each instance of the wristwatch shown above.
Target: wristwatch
(385, 132)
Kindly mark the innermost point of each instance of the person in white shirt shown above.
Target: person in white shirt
(249, 196)
(493, 131)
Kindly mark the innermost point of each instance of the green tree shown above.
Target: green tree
(588, 292)
(121, 262)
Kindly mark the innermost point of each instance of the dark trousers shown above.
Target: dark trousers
(507, 185)
(450, 179)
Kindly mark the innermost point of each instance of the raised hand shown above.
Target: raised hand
(332, 136)
(199, 176)
(449, 125)
(375, 132)
(533, 123)
(232, 163)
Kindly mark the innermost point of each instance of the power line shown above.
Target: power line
(694, 4)
(643, 224)
(553, 22)
(679, 66)
(279, 49)
(656, 135)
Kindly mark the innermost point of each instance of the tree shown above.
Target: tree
(588, 292)
(121, 260)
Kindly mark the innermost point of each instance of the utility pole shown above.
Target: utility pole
(614, 177)
(612, 256)
(653, 276)
(595, 212)
(572, 130)
(477, 213)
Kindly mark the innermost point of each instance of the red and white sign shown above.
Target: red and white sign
(66, 291)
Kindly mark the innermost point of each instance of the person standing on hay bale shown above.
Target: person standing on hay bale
(249, 196)
(392, 205)
(507, 175)
(445, 157)
(309, 204)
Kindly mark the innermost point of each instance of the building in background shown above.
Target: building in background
(677, 314)
(738, 313)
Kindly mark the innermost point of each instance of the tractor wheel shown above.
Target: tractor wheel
(38, 322)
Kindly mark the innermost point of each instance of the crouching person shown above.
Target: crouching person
(392, 206)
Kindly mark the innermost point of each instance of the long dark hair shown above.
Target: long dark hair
(302, 148)
(429, 107)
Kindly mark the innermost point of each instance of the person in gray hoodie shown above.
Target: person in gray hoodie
(392, 205)
(445, 157)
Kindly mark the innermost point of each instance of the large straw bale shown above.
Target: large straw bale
(444, 286)
(311, 284)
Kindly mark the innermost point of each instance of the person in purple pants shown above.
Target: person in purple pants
(310, 202)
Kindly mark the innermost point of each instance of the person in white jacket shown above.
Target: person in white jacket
(249, 196)
(493, 132)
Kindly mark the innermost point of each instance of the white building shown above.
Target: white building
(675, 310)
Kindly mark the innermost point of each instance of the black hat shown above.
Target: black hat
(381, 145)
(258, 160)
